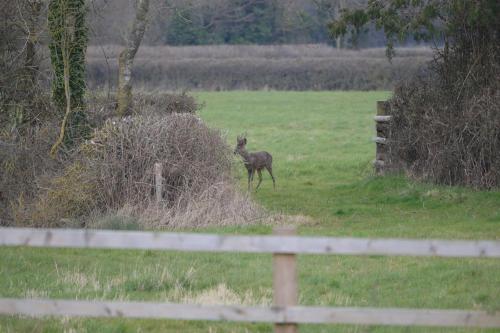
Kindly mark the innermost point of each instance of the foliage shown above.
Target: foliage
(246, 22)
(69, 37)
(434, 20)
(446, 127)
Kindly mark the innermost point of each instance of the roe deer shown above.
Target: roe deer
(254, 161)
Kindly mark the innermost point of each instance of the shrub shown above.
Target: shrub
(196, 164)
(123, 154)
(447, 123)
(24, 166)
(108, 182)
(68, 196)
(439, 140)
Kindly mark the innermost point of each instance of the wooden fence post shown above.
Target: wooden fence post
(158, 182)
(285, 280)
(382, 120)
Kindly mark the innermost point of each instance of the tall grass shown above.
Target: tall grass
(258, 67)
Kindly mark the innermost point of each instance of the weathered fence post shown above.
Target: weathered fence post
(285, 280)
(158, 182)
(382, 120)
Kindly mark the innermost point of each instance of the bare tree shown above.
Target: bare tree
(126, 59)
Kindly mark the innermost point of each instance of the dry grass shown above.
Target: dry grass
(222, 294)
(157, 278)
(255, 67)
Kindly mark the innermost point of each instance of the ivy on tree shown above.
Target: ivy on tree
(69, 37)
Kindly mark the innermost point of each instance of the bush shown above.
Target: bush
(439, 140)
(123, 154)
(25, 166)
(446, 124)
(196, 168)
(67, 197)
(108, 181)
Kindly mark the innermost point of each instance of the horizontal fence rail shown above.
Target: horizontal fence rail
(382, 119)
(382, 141)
(76, 238)
(293, 314)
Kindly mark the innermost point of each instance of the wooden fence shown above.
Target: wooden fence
(284, 246)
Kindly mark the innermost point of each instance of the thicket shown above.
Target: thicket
(284, 67)
(446, 124)
(22, 101)
(112, 173)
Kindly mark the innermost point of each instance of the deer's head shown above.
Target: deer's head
(241, 141)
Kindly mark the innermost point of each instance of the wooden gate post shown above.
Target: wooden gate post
(158, 182)
(285, 280)
(382, 120)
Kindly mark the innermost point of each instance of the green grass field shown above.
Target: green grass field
(322, 151)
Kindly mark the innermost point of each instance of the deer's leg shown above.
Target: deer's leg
(270, 170)
(259, 173)
(250, 177)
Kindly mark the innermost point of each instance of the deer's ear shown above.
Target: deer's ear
(245, 140)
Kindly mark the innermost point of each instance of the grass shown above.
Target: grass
(322, 152)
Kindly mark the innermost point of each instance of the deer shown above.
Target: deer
(254, 162)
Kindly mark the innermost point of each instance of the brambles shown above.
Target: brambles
(113, 172)
(435, 138)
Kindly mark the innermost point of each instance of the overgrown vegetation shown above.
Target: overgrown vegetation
(257, 67)
(447, 120)
(113, 171)
(22, 102)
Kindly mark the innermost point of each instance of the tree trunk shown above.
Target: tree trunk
(340, 40)
(126, 59)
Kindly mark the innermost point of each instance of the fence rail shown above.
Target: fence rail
(78, 238)
(289, 314)
(284, 246)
